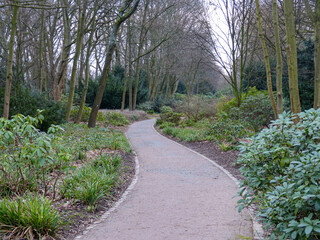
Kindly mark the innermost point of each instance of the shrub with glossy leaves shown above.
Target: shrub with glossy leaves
(282, 175)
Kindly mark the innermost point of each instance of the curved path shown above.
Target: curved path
(179, 196)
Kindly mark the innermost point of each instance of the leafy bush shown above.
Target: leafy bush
(256, 110)
(29, 216)
(226, 130)
(85, 113)
(93, 182)
(27, 155)
(113, 118)
(27, 101)
(170, 116)
(282, 174)
(146, 106)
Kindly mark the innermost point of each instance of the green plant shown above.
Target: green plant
(226, 130)
(113, 118)
(93, 182)
(28, 216)
(281, 167)
(27, 155)
(85, 113)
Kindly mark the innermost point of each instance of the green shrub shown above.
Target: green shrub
(113, 118)
(28, 217)
(146, 106)
(226, 130)
(27, 155)
(93, 182)
(27, 101)
(85, 113)
(281, 167)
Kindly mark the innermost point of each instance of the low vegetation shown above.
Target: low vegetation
(68, 162)
(282, 173)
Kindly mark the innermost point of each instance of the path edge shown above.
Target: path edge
(120, 201)
(258, 231)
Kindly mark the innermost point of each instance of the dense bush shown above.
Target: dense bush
(113, 118)
(27, 155)
(255, 109)
(28, 217)
(26, 101)
(226, 130)
(281, 167)
(167, 115)
(85, 113)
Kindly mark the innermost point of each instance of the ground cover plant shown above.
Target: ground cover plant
(281, 167)
(40, 171)
(197, 123)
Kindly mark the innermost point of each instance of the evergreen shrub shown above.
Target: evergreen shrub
(281, 167)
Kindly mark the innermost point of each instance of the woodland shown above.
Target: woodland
(242, 74)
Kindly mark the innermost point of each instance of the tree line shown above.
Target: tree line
(54, 46)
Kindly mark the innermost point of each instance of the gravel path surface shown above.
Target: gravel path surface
(179, 196)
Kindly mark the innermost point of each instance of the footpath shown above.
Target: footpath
(179, 195)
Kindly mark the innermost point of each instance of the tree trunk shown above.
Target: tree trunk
(266, 58)
(123, 15)
(6, 106)
(137, 70)
(80, 33)
(86, 77)
(123, 102)
(59, 79)
(292, 57)
(278, 55)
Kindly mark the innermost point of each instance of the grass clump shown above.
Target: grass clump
(93, 182)
(30, 216)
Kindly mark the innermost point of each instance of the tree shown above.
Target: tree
(267, 61)
(127, 9)
(292, 56)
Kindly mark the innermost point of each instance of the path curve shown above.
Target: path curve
(179, 196)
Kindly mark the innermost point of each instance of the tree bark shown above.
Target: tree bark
(278, 55)
(80, 34)
(59, 79)
(266, 58)
(9, 73)
(292, 57)
(123, 15)
(137, 70)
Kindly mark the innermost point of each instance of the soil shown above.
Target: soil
(77, 216)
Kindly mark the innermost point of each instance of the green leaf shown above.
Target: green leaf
(308, 230)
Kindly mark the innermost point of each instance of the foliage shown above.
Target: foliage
(282, 174)
(255, 109)
(79, 139)
(197, 107)
(27, 155)
(93, 182)
(85, 113)
(226, 130)
(255, 75)
(113, 118)
(112, 96)
(25, 101)
(167, 115)
(28, 216)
